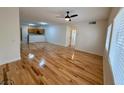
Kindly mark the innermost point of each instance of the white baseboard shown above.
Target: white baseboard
(9, 61)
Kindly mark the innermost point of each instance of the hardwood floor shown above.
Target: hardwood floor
(62, 66)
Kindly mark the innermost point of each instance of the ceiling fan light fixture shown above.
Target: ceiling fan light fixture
(67, 19)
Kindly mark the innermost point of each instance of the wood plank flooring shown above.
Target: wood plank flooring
(63, 66)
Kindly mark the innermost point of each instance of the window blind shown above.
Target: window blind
(116, 54)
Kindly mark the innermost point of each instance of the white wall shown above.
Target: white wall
(37, 38)
(24, 34)
(113, 13)
(9, 35)
(56, 34)
(91, 37)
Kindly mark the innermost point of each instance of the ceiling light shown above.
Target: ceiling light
(43, 23)
(31, 24)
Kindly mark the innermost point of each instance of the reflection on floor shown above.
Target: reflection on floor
(53, 64)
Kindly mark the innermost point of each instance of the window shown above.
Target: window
(108, 37)
(116, 54)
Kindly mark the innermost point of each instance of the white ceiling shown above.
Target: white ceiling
(48, 14)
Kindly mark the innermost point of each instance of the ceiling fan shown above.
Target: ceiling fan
(68, 17)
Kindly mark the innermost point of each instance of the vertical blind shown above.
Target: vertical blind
(116, 54)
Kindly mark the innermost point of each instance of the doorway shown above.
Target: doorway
(73, 38)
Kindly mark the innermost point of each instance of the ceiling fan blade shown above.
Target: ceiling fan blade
(74, 15)
(60, 16)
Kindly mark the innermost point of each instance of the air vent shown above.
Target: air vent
(92, 22)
